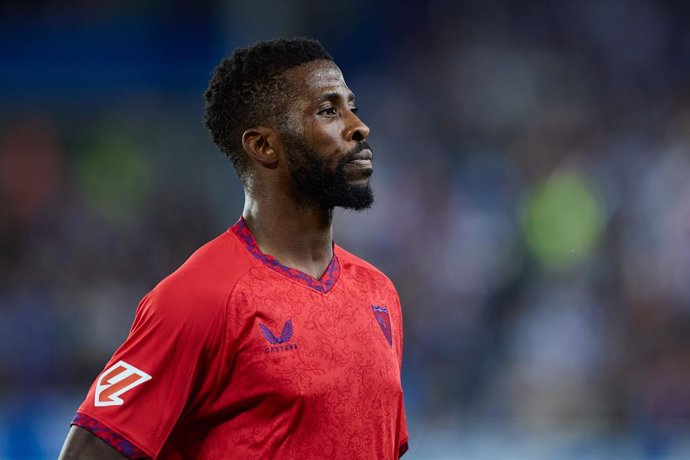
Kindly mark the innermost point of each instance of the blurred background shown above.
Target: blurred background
(533, 205)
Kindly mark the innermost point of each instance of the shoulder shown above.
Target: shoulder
(351, 262)
(202, 285)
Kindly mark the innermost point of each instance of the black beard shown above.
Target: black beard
(314, 184)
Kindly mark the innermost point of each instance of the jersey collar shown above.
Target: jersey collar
(323, 284)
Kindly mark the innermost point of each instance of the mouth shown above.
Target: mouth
(361, 163)
(362, 159)
(364, 154)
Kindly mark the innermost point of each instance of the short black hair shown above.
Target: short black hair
(245, 91)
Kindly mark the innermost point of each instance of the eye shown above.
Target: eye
(354, 110)
(329, 111)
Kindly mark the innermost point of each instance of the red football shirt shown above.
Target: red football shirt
(237, 356)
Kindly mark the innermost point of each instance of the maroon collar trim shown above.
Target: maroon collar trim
(323, 284)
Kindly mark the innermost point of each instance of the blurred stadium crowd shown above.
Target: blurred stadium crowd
(532, 205)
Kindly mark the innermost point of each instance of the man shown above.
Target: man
(270, 341)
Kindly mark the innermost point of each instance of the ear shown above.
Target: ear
(261, 144)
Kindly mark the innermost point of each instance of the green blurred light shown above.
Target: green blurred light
(114, 177)
(562, 220)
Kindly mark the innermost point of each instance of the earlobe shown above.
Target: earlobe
(258, 143)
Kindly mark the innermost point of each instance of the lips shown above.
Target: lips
(359, 165)
(361, 158)
(364, 154)
(363, 163)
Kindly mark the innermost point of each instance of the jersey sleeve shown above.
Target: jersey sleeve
(161, 370)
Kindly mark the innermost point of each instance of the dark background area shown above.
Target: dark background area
(532, 187)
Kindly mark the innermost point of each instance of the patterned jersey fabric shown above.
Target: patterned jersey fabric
(236, 356)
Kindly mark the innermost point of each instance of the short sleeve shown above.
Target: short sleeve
(168, 360)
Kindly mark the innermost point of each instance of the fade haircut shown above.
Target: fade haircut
(247, 90)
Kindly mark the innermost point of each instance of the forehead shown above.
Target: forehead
(312, 79)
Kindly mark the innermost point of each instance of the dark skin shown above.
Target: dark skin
(81, 444)
(322, 111)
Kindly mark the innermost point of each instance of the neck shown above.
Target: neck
(298, 237)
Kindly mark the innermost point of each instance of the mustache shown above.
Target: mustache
(354, 153)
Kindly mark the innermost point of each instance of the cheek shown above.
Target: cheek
(325, 136)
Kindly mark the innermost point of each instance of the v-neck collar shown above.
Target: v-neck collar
(323, 284)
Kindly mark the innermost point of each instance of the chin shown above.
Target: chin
(358, 198)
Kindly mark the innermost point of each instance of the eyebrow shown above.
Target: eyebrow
(334, 95)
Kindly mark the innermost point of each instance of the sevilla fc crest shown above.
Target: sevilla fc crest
(381, 315)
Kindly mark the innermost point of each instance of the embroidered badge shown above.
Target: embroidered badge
(279, 342)
(381, 315)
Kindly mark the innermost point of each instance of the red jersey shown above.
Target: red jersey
(237, 356)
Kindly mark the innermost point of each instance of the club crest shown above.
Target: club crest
(381, 315)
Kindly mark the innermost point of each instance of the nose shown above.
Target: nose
(357, 130)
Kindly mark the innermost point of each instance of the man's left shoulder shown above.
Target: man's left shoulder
(350, 261)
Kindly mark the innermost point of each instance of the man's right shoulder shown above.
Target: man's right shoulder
(209, 274)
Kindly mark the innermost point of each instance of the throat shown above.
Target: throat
(298, 239)
(316, 270)
(314, 266)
